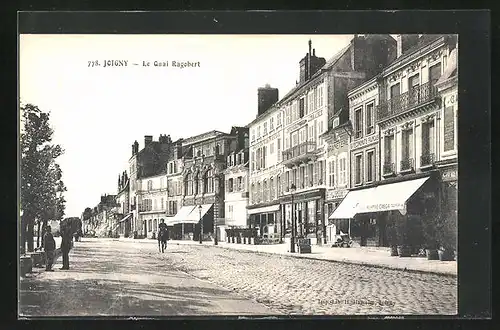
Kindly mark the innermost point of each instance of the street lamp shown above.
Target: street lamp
(201, 225)
(292, 239)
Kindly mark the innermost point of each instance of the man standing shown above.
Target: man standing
(49, 245)
(67, 237)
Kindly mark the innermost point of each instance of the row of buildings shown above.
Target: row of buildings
(367, 135)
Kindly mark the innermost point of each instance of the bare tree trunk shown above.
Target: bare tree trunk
(23, 234)
(30, 234)
(44, 225)
(38, 235)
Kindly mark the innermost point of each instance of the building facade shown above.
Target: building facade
(296, 178)
(152, 200)
(416, 117)
(338, 174)
(149, 162)
(124, 226)
(236, 184)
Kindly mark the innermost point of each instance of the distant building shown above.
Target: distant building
(124, 225)
(236, 183)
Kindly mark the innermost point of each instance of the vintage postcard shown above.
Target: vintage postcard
(244, 175)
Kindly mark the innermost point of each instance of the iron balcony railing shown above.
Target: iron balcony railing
(406, 101)
(427, 159)
(407, 164)
(388, 168)
(299, 151)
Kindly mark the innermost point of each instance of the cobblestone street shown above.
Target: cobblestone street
(301, 286)
(111, 277)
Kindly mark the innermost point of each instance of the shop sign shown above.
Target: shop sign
(449, 175)
(336, 194)
(382, 207)
(364, 141)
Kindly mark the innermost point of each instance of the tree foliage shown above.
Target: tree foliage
(42, 187)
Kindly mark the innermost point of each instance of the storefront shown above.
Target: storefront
(266, 220)
(187, 222)
(334, 226)
(309, 214)
(370, 211)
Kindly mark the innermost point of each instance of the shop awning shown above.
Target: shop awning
(125, 218)
(351, 203)
(182, 214)
(392, 196)
(194, 216)
(387, 197)
(266, 209)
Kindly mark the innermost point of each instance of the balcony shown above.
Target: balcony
(407, 165)
(300, 153)
(427, 160)
(416, 97)
(388, 169)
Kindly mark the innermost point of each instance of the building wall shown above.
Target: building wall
(363, 139)
(236, 185)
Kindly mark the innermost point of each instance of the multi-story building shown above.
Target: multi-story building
(236, 184)
(152, 199)
(124, 226)
(298, 171)
(104, 217)
(143, 164)
(338, 173)
(416, 156)
(175, 183)
(204, 160)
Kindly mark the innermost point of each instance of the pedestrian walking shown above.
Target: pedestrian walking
(66, 237)
(49, 245)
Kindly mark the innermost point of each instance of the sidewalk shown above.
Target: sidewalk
(369, 256)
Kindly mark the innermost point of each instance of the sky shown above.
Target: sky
(97, 112)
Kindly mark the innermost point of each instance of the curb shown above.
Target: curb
(335, 261)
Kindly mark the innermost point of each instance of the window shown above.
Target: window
(294, 176)
(413, 90)
(358, 123)
(370, 166)
(150, 185)
(271, 148)
(271, 189)
(302, 175)
(434, 73)
(253, 134)
(271, 124)
(258, 132)
(315, 93)
(306, 175)
(155, 224)
(369, 118)
(358, 169)
(240, 183)
(278, 119)
(301, 108)
(331, 177)
(265, 128)
(394, 97)
(389, 153)
(310, 170)
(179, 188)
(252, 167)
(320, 96)
(150, 225)
(311, 102)
(229, 185)
(406, 144)
(279, 149)
(427, 141)
(162, 204)
(259, 193)
(342, 171)
(287, 115)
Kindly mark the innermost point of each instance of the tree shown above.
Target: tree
(42, 187)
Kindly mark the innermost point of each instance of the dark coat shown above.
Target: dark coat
(66, 238)
(49, 244)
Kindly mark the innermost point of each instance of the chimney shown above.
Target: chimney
(135, 148)
(148, 139)
(405, 42)
(267, 96)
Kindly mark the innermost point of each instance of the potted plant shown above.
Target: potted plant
(447, 236)
(403, 237)
(430, 238)
(392, 238)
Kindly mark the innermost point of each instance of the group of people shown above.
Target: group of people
(49, 245)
